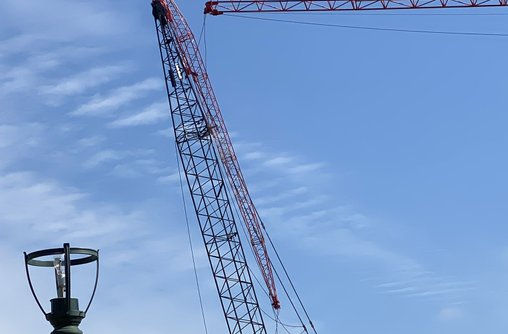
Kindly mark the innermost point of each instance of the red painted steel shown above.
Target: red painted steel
(194, 67)
(273, 6)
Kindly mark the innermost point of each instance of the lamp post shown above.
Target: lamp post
(65, 315)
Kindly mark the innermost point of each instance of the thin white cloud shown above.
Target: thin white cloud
(450, 313)
(17, 44)
(108, 155)
(306, 168)
(20, 78)
(168, 133)
(254, 155)
(84, 81)
(61, 20)
(28, 71)
(102, 157)
(171, 178)
(152, 114)
(91, 141)
(119, 97)
(282, 162)
(39, 213)
(278, 161)
(326, 228)
(290, 194)
(11, 134)
(20, 140)
(139, 168)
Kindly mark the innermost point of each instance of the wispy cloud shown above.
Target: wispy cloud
(279, 161)
(139, 168)
(20, 140)
(55, 20)
(28, 134)
(150, 115)
(306, 168)
(102, 157)
(91, 141)
(170, 178)
(28, 73)
(168, 133)
(299, 206)
(274, 199)
(84, 81)
(450, 313)
(126, 162)
(119, 97)
(39, 213)
(23, 74)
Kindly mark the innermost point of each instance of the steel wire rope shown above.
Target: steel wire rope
(284, 325)
(359, 13)
(415, 31)
(236, 211)
(360, 28)
(234, 206)
(202, 35)
(286, 273)
(275, 318)
(289, 297)
(202, 31)
(277, 324)
(190, 242)
(204, 41)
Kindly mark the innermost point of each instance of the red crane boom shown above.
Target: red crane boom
(195, 69)
(273, 6)
(206, 151)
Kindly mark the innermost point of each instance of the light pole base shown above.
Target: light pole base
(65, 318)
(68, 330)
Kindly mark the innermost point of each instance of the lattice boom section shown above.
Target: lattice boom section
(209, 194)
(221, 7)
(194, 67)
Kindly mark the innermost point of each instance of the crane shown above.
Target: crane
(202, 138)
(208, 157)
(275, 6)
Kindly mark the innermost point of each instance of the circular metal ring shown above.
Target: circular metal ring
(31, 258)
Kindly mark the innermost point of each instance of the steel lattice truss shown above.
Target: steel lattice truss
(194, 67)
(245, 6)
(208, 191)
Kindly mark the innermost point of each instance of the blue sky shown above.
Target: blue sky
(376, 159)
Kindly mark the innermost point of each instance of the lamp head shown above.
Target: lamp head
(65, 315)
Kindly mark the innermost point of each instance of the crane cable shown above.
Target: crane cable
(415, 31)
(276, 317)
(236, 211)
(202, 35)
(198, 288)
(235, 206)
(285, 272)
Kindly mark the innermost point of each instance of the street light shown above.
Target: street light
(65, 315)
